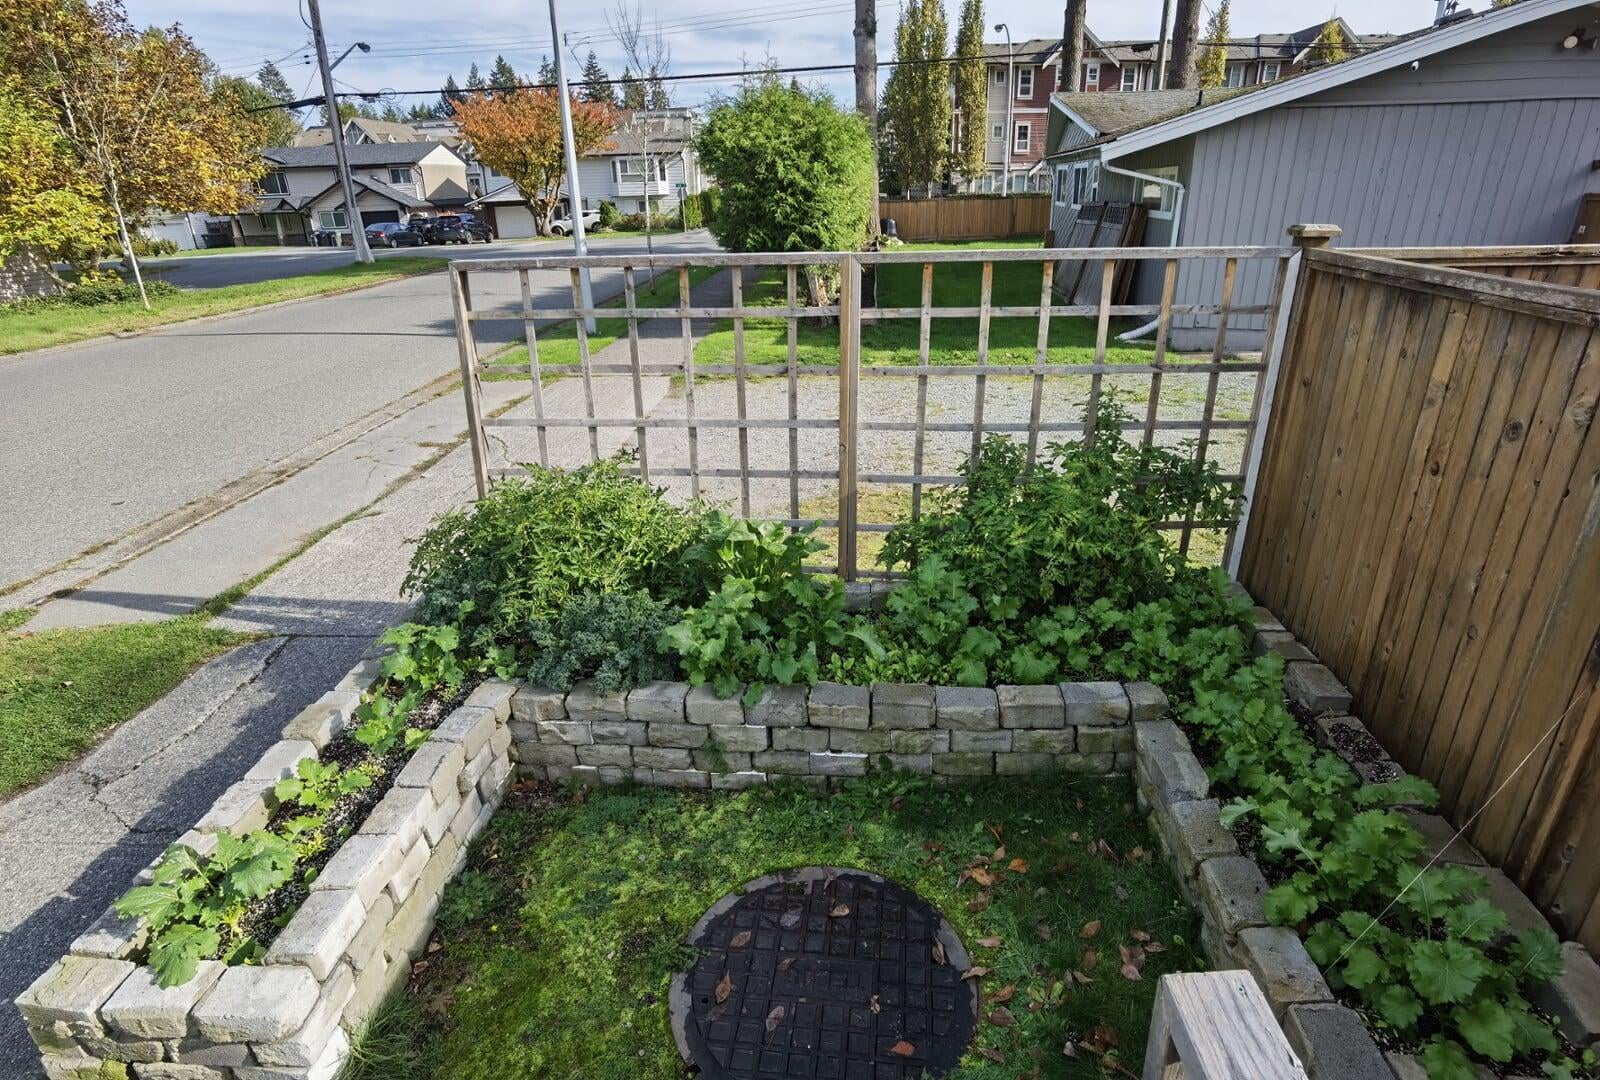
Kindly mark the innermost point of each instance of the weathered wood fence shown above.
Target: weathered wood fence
(968, 217)
(1427, 519)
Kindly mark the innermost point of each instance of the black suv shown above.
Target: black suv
(458, 229)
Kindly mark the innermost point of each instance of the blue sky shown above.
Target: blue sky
(416, 45)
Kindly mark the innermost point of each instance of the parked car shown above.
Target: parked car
(561, 226)
(478, 227)
(457, 229)
(392, 234)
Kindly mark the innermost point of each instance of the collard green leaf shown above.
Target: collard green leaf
(1536, 955)
(1486, 1027)
(1446, 972)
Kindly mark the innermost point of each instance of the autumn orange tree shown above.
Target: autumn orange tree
(519, 136)
(136, 108)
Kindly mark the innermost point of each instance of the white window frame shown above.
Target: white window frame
(1235, 75)
(1271, 70)
(1058, 195)
(402, 175)
(324, 216)
(1021, 137)
(1091, 74)
(1085, 184)
(997, 132)
(1025, 76)
(999, 75)
(1130, 77)
(628, 170)
(1165, 194)
(280, 177)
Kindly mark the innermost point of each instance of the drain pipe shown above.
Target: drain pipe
(1177, 222)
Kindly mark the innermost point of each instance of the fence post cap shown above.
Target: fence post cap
(1315, 235)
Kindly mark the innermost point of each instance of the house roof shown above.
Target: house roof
(360, 154)
(1285, 47)
(394, 195)
(1032, 51)
(1399, 52)
(377, 131)
(1106, 116)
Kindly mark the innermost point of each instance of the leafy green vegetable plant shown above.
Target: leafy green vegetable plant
(610, 637)
(382, 721)
(424, 656)
(317, 785)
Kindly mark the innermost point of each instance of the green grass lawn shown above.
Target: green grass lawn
(559, 344)
(557, 945)
(896, 341)
(61, 689)
(35, 329)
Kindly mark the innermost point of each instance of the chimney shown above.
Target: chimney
(1185, 32)
(1072, 46)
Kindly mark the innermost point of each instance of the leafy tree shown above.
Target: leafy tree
(633, 91)
(278, 127)
(449, 97)
(270, 79)
(969, 73)
(475, 79)
(657, 97)
(136, 109)
(916, 100)
(596, 83)
(1332, 46)
(46, 206)
(422, 112)
(519, 136)
(1212, 67)
(502, 74)
(547, 72)
(795, 170)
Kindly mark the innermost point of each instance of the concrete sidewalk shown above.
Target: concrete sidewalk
(72, 845)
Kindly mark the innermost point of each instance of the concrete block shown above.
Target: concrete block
(1098, 703)
(461, 825)
(467, 779)
(703, 706)
(1031, 707)
(621, 756)
(281, 759)
(1573, 998)
(1193, 833)
(410, 870)
(1281, 642)
(172, 1070)
(584, 702)
(1349, 738)
(500, 741)
(783, 762)
(1282, 968)
(494, 695)
(244, 807)
(1333, 1043)
(658, 702)
(434, 766)
(1231, 892)
(317, 723)
(1439, 841)
(983, 742)
(905, 741)
(849, 740)
(548, 754)
(437, 823)
(197, 1051)
(742, 738)
(1521, 914)
(1020, 763)
(967, 764)
(111, 936)
(714, 759)
(1028, 741)
(902, 705)
(737, 781)
(568, 732)
(1146, 701)
(368, 942)
(1315, 688)
(681, 736)
(828, 763)
(801, 738)
(779, 706)
(306, 1045)
(680, 778)
(142, 1010)
(534, 703)
(470, 725)
(1263, 619)
(319, 932)
(1105, 740)
(966, 708)
(1166, 763)
(72, 991)
(661, 757)
(257, 1004)
(917, 763)
(365, 863)
(1089, 764)
(835, 705)
(617, 733)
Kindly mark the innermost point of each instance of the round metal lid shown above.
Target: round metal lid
(824, 972)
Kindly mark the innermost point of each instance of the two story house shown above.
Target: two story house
(650, 156)
(394, 181)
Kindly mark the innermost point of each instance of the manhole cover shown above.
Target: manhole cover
(823, 972)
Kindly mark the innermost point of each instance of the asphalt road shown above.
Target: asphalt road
(212, 271)
(104, 437)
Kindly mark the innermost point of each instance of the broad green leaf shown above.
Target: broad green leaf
(1325, 942)
(1445, 972)
(1399, 1007)
(1487, 1028)
(177, 953)
(1536, 955)
(1446, 1060)
(1289, 903)
(1363, 967)
(1477, 921)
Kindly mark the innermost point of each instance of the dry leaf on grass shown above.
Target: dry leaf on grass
(1018, 865)
(1003, 995)
(978, 903)
(1139, 935)
(1091, 957)
(1002, 1017)
(1090, 929)
(1100, 1039)
(988, 1053)
(989, 942)
(977, 972)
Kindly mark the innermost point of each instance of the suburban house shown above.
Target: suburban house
(1022, 77)
(651, 156)
(1481, 129)
(395, 181)
(361, 130)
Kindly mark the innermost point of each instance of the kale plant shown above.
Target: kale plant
(610, 637)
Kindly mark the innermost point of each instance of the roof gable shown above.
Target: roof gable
(360, 155)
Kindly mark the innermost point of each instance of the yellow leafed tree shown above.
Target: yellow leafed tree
(45, 205)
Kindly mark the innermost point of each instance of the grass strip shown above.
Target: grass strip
(23, 330)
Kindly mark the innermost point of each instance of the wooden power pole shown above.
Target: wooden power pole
(866, 34)
(1073, 18)
(1161, 47)
(1185, 32)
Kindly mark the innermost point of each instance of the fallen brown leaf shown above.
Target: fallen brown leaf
(739, 940)
(976, 972)
(1002, 1017)
(1003, 995)
(1080, 977)
(1018, 866)
(839, 911)
(774, 1018)
(903, 1048)
(724, 987)
(1131, 972)
(874, 1005)
(1091, 957)
(1155, 947)
(991, 1054)
(1139, 935)
(983, 877)
(1090, 929)
(1100, 1039)
(978, 903)
(989, 942)
(999, 854)
(1045, 931)
(938, 953)
(1069, 1050)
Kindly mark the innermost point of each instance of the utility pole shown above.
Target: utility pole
(352, 216)
(1185, 33)
(866, 34)
(1073, 18)
(574, 195)
(1161, 47)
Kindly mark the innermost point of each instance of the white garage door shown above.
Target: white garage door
(512, 222)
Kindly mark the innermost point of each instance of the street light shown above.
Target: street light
(362, 45)
(1011, 75)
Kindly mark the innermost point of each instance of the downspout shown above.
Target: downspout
(1177, 222)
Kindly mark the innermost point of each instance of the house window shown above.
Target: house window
(1130, 78)
(998, 132)
(1091, 76)
(1024, 138)
(1235, 74)
(1025, 82)
(332, 220)
(1063, 185)
(274, 183)
(1159, 198)
(1270, 70)
(399, 176)
(1083, 183)
(632, 170)
(999, 75)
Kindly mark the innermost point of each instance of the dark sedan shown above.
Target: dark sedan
(392, 234)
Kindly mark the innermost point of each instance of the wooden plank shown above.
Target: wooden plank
(583, 361)
(687, 331)
(1526, 297)
(1209, 410)
(638, 383)
(471, 389)
(532, 338)
(740, 393)
(923, 338)
(1102, 331)
(1041, 357)
(1218, 1025)
(849, 367)
(1169, 281)
(981, 382)
(791, 329)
